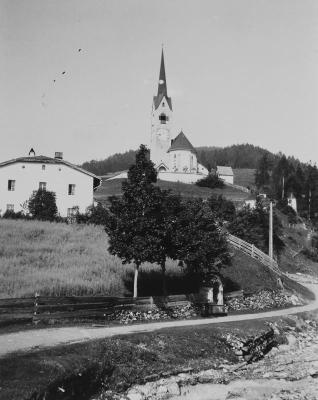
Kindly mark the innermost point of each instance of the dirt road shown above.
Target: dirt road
(27, 340)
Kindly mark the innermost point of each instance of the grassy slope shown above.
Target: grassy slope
(244, 177)
(60, 259)
(56, 259)
(113, 187)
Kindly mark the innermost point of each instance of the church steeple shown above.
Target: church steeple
(162, 84)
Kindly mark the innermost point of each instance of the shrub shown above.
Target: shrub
(211, 181)
(223, 209)
(96, 215)
(9, 214)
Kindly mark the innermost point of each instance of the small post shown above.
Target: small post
(252, 252)
(270, 246)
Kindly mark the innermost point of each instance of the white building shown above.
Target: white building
(72, 185)
(175, 159)
(225, 173)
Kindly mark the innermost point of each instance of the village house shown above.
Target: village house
(225, 173)
(21, 177)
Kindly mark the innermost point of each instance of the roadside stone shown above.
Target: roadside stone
(135, 396)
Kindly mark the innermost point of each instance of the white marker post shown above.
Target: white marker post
(270, 244)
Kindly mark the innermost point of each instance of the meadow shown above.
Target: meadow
(56, 259)
(113, 188)
(59, 259)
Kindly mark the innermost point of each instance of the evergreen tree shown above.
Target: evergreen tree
(262, 174)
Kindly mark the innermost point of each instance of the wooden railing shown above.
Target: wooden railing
(253, 252)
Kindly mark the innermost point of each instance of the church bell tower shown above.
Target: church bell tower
(161, 123)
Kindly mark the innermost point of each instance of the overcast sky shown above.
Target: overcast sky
(237, 70)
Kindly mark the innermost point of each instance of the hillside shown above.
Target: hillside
(113, 187)
(59, 259)
(244, 177)
(236, 156)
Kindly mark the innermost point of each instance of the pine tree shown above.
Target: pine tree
(262, 174)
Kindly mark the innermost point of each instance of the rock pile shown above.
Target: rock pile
(252, 349)
(263, 300)
(177, 312)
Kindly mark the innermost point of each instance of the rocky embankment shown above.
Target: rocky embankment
(286, 369)
(262, 300)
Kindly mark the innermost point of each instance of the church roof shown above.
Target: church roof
(162, 86)
(181, 142)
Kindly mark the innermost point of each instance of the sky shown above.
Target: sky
(238, 71)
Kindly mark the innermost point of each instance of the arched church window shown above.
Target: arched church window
(163, 118)
(163, 104)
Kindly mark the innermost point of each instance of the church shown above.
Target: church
(175, 159)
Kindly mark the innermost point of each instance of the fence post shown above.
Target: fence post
(252, 253)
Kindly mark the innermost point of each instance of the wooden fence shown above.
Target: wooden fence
(253, 252)
(43, 308)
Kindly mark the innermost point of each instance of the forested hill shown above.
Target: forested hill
(114, 163)
(236, 156)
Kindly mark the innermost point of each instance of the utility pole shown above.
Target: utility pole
(270, 246)
(283, 188)
(309, 203)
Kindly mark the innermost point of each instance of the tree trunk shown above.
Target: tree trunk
(136, 280)
(163, 271)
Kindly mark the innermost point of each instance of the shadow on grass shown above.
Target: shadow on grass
(150, 283)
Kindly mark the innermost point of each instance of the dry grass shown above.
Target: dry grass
(59, 259)
(56, 259)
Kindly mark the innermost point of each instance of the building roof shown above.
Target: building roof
(181, 142)
(49, 160)
(162, 86)
(227, 171)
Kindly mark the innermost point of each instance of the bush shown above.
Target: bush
(211, 181)
(96, 215)
(291, 214)
(14, 215)
(223, 209)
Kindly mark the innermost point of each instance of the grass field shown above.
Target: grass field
(113, 188)
(244, 177)
(59, 259)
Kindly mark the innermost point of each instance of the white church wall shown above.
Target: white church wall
(27, 177)
(183, 161)
(180, 177)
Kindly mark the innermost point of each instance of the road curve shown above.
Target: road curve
(47, 337)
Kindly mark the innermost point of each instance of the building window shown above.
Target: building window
(42, 186)
(10, 207)
(11, 185)
(163, 104)
(71, 189)
(43, 167)
(163, 118)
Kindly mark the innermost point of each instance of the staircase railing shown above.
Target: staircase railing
(253, 252)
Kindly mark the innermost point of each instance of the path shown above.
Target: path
(26, 340)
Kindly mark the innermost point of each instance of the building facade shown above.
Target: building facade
(21, 177)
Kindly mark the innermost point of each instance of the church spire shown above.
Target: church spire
(162, 85)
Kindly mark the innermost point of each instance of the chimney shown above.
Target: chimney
(58, 155)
